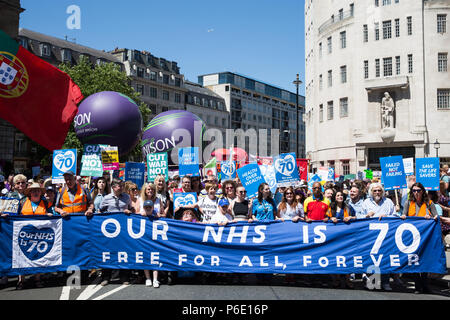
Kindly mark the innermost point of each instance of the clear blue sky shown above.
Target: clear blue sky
(263, 39)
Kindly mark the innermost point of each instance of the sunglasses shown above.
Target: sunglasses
(416, 190)
(288, 193)
(242, 192)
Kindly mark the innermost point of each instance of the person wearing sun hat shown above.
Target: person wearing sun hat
(35, 203)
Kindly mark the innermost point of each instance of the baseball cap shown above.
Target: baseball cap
(50, 188)
(148, 203)
(69, 172)
(223, 202)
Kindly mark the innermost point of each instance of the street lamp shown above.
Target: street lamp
(437, 145)
(297, 83)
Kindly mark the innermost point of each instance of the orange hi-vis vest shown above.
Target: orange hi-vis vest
(346, 213)
(79, 204)
(422, 211)
(27, 209)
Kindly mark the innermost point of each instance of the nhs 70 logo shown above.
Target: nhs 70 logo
(37, 243)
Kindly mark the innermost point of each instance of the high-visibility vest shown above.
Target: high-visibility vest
(79, 203)
(346, 213)
(27, 209)
(422, 210)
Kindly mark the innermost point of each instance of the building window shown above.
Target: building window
(321, 113)
(177, 82)
(387, 67)
(330, 44)
(343, 39)
(409, 25)
(386, 2)
(365, 33)
(330, 110)
(343, 74)
(377, 31)
(441, 23)
(165, 95)
(443, 99)
(442, 62)
(165, 78)
(341, 14)
(140, 89)
(153, 92)
(377, 68)
(397, 65)
(343, 107)
(140, 72)
(320, 50)
(66, 55)
(153, 75)
(345, 167)
(387, 29)
(366, 69)
(177, 98)
(397, 28)
(320, 82)
(45, 50)
(410, 63)
(377, 3)
(330, 78)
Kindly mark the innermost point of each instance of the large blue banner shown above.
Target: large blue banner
(120, 241)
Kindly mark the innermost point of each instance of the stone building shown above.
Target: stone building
(377, 81)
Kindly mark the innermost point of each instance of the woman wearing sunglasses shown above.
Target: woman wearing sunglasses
(240, 207)
(289, 208)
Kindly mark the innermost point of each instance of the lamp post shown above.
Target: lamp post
(437, 145)
(297, 83)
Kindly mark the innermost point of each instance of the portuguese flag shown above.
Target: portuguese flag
(37, 98)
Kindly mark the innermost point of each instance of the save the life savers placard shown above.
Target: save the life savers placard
(119, 241)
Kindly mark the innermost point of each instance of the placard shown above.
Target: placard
(182, 199)
(393, 173)
(157, 164)
(134, 172)
(63, 160)
(286, 170)
(251, 177)
(427, 173)
(188, 161)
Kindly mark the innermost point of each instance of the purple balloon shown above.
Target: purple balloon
(111, 118)
(160, 134)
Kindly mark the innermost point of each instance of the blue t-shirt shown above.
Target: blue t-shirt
(265, 210)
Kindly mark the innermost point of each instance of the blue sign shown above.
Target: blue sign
(135, 171)
(427, 173)
(268, 172)
(63, 161)
(393, 173)
(331, 175)
(188, 161)
(228, 170)
(251, 178)
(286, 171)
(118, 241)
(182, 199)
(314, 178)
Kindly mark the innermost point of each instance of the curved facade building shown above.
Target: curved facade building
(377, 81)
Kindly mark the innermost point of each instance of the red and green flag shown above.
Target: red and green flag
(37, 98)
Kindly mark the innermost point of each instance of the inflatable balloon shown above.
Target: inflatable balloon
(172, 128)
(111, 118)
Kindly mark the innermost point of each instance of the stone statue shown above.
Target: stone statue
(387, 111)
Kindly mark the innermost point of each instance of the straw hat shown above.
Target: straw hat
(33, 186)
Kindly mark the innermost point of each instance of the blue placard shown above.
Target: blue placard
(228, 170)
(63, 161)
(182, 199)
(135, 171)
(427, 173)
(251, 177)
(393, 173)
(286, 171)
(118, 241)
(268, 172)
(314, 178)
(188, 161)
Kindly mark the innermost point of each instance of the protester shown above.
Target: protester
(35, 204)
(148, 192)
(208, 205)
(161, 192)
(378, 206)
(73, 198)
(241, 207)
(186, 185)
(150, 212)
(263, 207)
(195, 185)
(19, 186)
(116, 201)
(316, 206)
(9, 183)
(50, 196)
(355, 201)
(136, 202)
(328, 193)
(229, 190)
(289, 208)
(223, 214)
(101, 189)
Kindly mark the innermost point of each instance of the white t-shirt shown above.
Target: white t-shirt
(290, 212)
(218, 217)
(209, 207)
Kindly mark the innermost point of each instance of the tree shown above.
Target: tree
(92, 79)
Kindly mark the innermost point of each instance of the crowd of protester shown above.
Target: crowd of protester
(223, 202)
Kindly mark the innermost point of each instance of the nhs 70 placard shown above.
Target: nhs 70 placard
(286, 171)
(63, 161)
